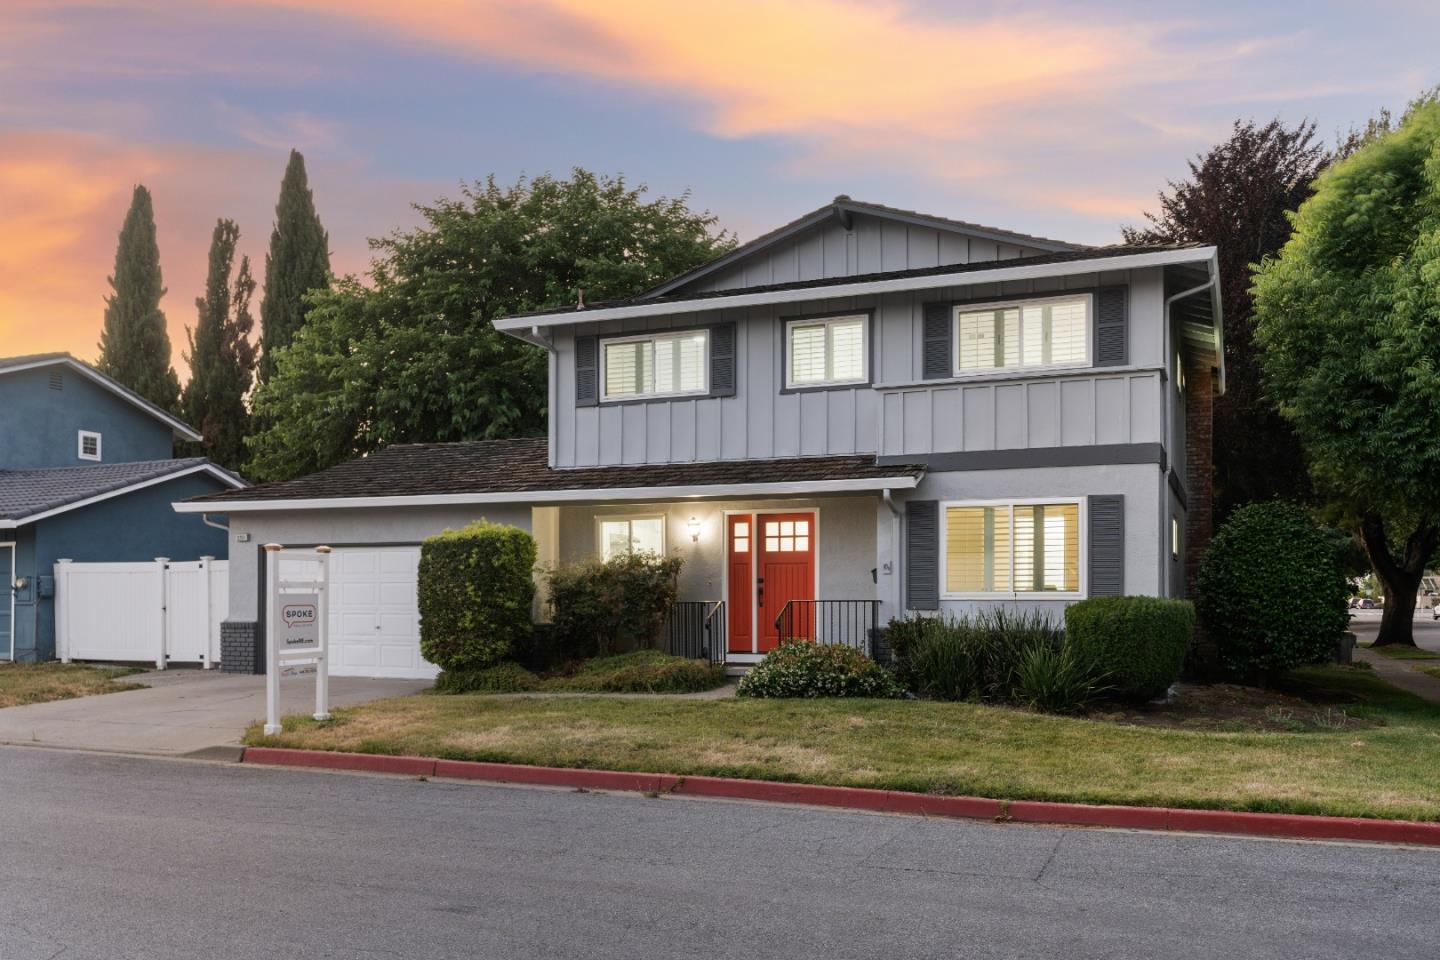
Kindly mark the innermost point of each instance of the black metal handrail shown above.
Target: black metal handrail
(848, 623)
(696, 629)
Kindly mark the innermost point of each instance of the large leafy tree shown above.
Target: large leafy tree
(1238, 197)
(1348, 315)
(134, 346)
(298, 262)
(413, 355)
(221, 357)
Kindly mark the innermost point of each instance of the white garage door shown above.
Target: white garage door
(374, 621)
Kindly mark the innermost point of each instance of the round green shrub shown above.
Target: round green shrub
(1271, 595)
(799, 668)
(1135, 645)
(475, 595)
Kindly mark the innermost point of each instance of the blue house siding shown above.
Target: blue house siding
(40, 426)
(132, 527)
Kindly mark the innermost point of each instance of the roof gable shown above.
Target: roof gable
(846, 237)
(29, 495)
(180, 428)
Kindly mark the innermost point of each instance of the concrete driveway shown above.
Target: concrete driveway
(183, 712)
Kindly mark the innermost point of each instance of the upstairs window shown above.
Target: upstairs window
(89, 448)
(1041, 333)
(1010, 549)
(827, 350)
(655, 365)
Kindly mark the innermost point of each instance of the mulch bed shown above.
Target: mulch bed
(1232, 707)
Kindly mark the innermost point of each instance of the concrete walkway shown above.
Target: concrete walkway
(1403, 673)
(183, 712)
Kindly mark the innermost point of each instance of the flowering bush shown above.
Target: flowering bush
(799, 668)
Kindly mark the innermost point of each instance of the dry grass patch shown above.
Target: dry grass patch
(22, 683)
(1387, 770)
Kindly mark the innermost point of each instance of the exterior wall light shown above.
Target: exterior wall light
(693, 525)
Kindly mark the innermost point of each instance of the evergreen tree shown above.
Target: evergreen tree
(298, 261)
(222, 358)
(134, 347)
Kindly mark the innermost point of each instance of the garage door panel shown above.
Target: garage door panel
(398, 595)
(374, 623)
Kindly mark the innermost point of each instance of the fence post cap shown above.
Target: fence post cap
(322, 549)
(207, 557)
(272, 547)
(63, 560)
(162, 559)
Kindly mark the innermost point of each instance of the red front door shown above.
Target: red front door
(739, 561)
(785, 571)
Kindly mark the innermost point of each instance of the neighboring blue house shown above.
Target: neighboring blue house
(87, 473)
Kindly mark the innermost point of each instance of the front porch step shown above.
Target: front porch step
(737, 669)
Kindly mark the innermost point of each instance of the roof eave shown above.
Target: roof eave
(1009, 270)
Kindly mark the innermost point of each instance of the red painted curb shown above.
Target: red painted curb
(1291, 826)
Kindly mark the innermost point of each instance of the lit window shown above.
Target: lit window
(787, 536)
(1012, 549)
(1179, 374)
(1052, 333)
(89, 445)
(1174, 538)
(827, 350)
(655, 366)
(632, 535)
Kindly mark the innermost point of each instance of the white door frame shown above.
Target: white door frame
(10, 587)
(754, 656)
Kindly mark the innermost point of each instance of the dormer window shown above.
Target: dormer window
(89, 448)
(655, 365)
(826, 351)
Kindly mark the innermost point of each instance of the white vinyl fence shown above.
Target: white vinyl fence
(160, 611)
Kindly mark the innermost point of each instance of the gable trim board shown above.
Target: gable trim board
(222, 475)
(683, 492)
(182, 430)
(929, 280)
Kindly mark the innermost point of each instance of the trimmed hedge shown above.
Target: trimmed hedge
(475, 594)
(644, 671)
(611, 607)
(799, 668)
(1137, 644)
(1271, 594)
(501, 678)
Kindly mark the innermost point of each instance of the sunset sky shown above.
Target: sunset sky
(1056, 118)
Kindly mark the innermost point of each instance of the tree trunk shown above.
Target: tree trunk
(1399, 579)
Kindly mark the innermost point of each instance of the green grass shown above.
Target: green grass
(1403, 653)
(1431, 671)
(22, 683)
(641, 671)
(1384, 769)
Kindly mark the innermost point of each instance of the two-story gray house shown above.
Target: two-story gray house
(865, 412)
(87, 473)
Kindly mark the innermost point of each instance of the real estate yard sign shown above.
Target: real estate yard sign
(297, 631)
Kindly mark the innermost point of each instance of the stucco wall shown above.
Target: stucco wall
(339, 528)
(39, 427)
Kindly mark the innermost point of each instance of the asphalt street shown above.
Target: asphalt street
(1365, 624)
(117, 857)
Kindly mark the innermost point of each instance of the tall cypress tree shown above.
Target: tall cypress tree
(298, 261)
(134, 347)
(222, 358)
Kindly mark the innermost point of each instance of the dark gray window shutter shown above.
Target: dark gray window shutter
(922, 555)
(936, 350)
(1112, 333)
(587, 371)
(1107, 545)
(722, 360)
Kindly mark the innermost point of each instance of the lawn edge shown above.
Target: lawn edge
(1169, 819)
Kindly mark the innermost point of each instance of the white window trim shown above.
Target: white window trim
(827, 321)
(653, 336)
(1020, 304)
(630, 518)
(1081, 528)
(80, 446)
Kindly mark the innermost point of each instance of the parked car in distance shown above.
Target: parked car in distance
(1362, 603)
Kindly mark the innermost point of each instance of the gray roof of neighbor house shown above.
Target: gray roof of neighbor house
(958, 269)
(26, 493)
(521, 467)
(182, 429)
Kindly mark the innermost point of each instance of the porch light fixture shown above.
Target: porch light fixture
(693, 525)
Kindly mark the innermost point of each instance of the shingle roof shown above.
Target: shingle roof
(521, 467)
(24, 493)
(181, 428)
(1090, 253)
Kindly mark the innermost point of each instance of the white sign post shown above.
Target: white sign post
(297, 629)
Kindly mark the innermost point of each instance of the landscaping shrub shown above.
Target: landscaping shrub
(799, 668)
(1138, 643)
(606, 608)
(1271, 594)
(1056, 678)
(475, 594)
(643, 671)
(972, 657)
(501, 678)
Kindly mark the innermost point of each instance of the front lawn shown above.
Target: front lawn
(1382, 766)
(22, 683)
(1403, 653)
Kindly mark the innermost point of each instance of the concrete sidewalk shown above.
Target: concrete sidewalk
(183, 712)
